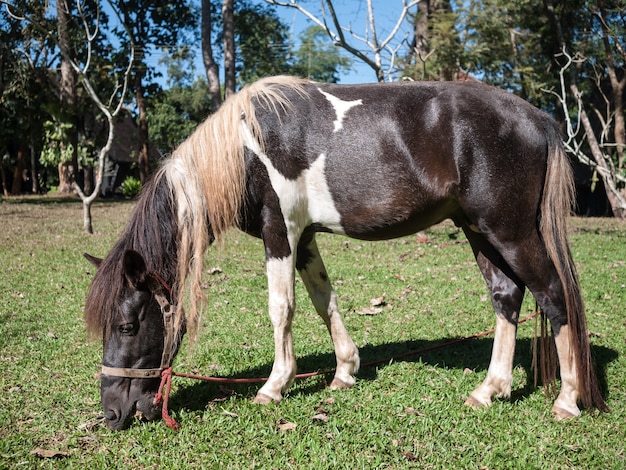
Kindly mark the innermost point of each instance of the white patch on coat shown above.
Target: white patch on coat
(341, 108)
(303, 201)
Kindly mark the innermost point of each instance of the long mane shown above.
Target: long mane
(205, 178)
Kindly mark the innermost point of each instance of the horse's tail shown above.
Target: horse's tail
(556, 205)
(207, 176)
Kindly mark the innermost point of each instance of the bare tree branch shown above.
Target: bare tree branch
(583, 132)
(381, 52)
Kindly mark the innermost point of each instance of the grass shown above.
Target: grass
(406, 413)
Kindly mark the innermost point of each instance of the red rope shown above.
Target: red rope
(166, 382)
(163, 393)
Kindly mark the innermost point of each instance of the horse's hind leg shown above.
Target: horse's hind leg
(507, 293)
(529, 259)
(540, 275)
(311, 268)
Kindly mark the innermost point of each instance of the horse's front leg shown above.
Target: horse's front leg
(280, 278)
(313, 272)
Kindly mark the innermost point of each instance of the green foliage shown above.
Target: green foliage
(130, 187)
(174, 113)
(26, 83)
(261, 41)
(318, 58)
(445, 45)
(57, 148)
(151, 24)
(406, 413)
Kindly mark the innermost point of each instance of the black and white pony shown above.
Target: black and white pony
(287, 158)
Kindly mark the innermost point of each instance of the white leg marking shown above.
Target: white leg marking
(280, 277)
(500, 373)
(341, 108)
(324, 300)
(565, 406)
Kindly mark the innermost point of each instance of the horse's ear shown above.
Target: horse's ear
(93, 260)
(135, 270)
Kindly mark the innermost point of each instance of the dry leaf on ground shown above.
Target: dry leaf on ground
(48, 454)
(286, 425)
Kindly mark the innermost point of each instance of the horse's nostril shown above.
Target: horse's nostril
(111, 415)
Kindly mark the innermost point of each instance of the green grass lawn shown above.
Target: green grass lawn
(406, 413)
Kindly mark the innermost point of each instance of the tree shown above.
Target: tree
(176, 111)
(317, 58)
(380, 55)
(262, 40)
(37, 20)
(436, 52)
(604, 140)
(210, 65)
(68, 166)
(25, 85)
(508, 44)
(148, 24)
(228, 12)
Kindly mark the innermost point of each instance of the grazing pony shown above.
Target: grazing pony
(286, 158)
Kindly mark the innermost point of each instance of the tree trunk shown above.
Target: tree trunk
(143, 159)
(87, 224)
(620, 127)
(34, 169)
(420, 47)
(613, 194)
(67, 98)
(66, 178)
(210, 66)
(5, 190)
(3, 175)
(16, 188)
(229, 47)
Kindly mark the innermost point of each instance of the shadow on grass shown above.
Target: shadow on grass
(473, 354)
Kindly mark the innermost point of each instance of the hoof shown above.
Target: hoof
(474, 403)
(262, 399)
(560, 413)
(338, 384)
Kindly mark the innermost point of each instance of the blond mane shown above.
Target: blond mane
(206, 174)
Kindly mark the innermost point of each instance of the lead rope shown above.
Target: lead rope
(163, 393)
(166, 383)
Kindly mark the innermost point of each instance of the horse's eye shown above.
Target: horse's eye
(128, 329)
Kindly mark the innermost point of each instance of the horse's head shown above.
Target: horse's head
(135, 334)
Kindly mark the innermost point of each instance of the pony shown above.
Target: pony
(287, 158)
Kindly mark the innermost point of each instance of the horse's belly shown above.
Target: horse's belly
(374, 225)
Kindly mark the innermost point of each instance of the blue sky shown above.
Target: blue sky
(353, 13)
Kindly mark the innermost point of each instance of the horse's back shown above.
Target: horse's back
(395, 158)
